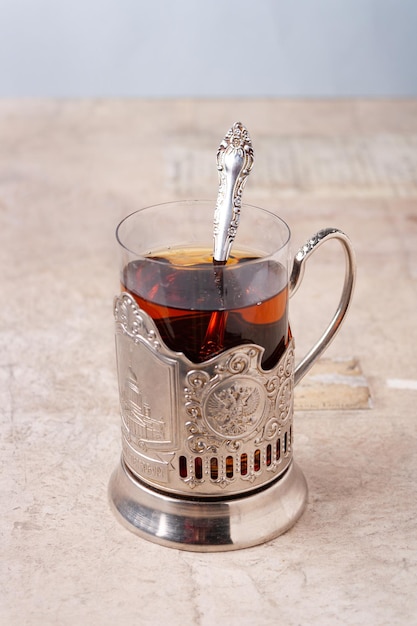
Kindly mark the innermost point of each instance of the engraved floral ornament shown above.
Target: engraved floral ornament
(131, 321)
(239, 402)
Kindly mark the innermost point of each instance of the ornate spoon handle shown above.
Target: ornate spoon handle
(234, 162)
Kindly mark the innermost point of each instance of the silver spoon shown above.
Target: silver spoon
(234, 162)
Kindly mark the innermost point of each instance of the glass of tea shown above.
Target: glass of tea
(206, 372)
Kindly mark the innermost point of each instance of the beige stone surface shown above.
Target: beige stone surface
(69, 170)
(333, 384)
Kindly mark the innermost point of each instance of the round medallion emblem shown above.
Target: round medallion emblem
(234, 408)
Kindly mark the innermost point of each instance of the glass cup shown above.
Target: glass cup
(206, 371)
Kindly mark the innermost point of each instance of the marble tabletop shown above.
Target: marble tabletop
(69, 171)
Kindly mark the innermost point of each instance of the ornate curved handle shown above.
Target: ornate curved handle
(295, 280)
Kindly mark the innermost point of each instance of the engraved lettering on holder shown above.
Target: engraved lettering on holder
(152, 469)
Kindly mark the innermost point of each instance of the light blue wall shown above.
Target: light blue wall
(208, 48)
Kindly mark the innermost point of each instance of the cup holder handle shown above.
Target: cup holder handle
(297, 274)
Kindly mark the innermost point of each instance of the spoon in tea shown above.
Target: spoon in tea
(234, 162)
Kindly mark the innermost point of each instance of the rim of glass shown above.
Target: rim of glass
(270, 214)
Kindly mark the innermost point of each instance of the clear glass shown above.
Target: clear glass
(199, 308)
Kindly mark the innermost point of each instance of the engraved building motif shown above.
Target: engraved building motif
(137, 415)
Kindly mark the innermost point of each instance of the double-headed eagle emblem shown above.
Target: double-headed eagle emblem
(234, 411)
